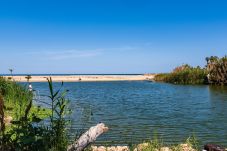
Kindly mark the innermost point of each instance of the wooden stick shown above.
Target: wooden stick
(88, 137)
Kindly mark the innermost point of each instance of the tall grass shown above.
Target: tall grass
(215, 72)
(58, 122)
(28, 131)
(184, 74)
(16, 97)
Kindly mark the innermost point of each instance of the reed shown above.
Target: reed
(215, 73)
(29, 130)
(184, 74)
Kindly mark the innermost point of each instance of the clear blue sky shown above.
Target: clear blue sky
(109, 36)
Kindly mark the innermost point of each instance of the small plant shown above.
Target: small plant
(28, 131)
(151, 145)
(59, 110)
(2, 126)
(155, 144)
(193, 142)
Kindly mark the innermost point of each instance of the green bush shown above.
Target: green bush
(28, 130)
(184, 74)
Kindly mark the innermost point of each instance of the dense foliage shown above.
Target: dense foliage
(29, 130)
(215, 72)
(184, 74)
(217, 69)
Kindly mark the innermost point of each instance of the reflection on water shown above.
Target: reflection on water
(218, 92)
(134, 110)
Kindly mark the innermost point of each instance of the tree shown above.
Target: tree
(217, 69)
(11, 72)
(28, 77)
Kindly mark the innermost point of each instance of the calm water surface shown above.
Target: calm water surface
(134, 111)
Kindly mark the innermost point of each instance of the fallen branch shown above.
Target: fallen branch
(88, 137)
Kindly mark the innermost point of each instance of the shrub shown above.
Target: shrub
(184, 74)
(217, 68)
(28, 131)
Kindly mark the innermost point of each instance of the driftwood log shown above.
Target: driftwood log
(88, 137)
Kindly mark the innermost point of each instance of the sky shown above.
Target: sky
(109, 36)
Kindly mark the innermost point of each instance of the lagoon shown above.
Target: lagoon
(135, 110)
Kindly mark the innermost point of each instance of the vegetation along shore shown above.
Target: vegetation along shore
(26, 126)
(215, 73)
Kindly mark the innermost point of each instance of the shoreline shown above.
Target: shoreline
(83, 78)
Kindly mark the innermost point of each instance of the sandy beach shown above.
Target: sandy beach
(77, 78)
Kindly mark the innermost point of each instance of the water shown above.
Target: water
(134, 111)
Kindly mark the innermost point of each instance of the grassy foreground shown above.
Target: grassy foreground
(16, 99)
(25, 126)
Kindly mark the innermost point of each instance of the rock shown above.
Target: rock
(165, 149)
(213, 147)
(7, 120)
(122, 148)
(186, 147)
(142, 146)
(111, 148)
(100, 148)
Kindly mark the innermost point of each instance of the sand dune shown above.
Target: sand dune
(76, 78)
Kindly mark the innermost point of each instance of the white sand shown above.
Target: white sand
(76, 78)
